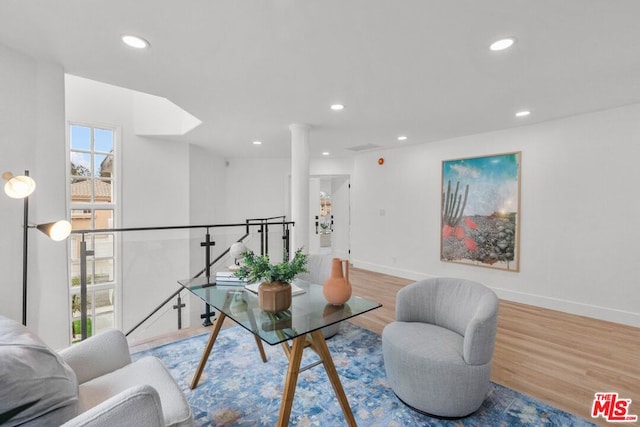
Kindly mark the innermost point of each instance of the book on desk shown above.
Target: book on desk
(228, 278)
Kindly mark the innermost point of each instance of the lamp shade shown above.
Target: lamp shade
(237, 249)
(18, 187)
(57, 231)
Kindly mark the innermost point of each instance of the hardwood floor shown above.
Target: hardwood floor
(558, 358)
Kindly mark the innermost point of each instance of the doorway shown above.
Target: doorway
(329, 206)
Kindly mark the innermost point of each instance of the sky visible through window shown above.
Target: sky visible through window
(81, 141)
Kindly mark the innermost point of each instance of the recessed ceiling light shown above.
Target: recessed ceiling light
(135, 41)
(337, 107)
(502, 44)
(402, 138)
(325, 153)
(257, 142)
(523, 113)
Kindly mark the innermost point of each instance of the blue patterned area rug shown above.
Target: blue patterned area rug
(237, 389)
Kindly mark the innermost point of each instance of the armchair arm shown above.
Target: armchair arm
(98, 355)
(480, 335)
(137, 406)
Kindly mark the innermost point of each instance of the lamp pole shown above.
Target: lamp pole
(83, 287)
(25, 242)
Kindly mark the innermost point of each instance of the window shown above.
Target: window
(92, 206)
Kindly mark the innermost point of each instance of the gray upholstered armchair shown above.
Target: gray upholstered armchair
(438, 352)
(93, 383)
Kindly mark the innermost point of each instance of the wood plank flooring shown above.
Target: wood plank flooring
(558, 358)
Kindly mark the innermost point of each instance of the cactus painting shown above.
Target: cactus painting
(481, 211)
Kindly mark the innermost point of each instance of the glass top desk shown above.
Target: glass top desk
(301, 323)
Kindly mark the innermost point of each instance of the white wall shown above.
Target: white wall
(257, 188)
(207, 206)
(579, 204)
(31, 133)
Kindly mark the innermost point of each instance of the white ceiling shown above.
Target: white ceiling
(421, 68)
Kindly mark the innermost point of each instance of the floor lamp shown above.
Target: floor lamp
(20, 187)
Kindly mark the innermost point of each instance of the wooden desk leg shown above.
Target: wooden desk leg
(207, 350)
(254, 327)
(260, 349)
(291, 381)
(320, 346)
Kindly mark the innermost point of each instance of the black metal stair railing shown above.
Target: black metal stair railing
(263, 229)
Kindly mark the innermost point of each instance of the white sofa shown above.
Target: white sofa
(92, 383)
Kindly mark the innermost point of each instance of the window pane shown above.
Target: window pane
(74, 245)
(104, 310)
(80, 220)
(104, 245)
(80, 164)
(104, 271)
(103, 218)
(103, 140)
(103, 191)
(76, 328)
(104, 165)
(75, 273)
(80, 137)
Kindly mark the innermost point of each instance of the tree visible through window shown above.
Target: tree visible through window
(91, 185)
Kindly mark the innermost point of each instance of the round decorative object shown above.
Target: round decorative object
(381, 161)
(337, 289)
(237, 249)
(274, 297)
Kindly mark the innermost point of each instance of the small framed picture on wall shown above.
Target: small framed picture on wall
(481, 211)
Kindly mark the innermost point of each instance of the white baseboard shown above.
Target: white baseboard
(405, 274)
(580, 309)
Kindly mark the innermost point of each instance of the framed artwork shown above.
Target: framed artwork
(481, 211)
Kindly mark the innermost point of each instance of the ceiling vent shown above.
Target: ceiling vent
(364, 147)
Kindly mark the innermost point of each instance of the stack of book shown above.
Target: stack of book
(227, 277)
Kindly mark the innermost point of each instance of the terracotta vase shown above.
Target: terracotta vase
(337, 289)
(274, 296)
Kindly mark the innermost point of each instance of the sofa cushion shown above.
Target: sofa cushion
(34, 381)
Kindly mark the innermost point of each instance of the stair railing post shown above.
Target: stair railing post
(207, 255)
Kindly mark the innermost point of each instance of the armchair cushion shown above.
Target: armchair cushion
(34, 381)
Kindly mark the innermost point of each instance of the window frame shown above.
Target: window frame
(90, 207)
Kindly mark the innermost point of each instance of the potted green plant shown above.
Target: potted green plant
(274, 293)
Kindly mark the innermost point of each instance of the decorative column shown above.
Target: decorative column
(300, 186)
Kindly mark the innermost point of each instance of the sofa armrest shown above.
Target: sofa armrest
(98, 355)
(137, 406)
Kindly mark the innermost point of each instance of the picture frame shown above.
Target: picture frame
(480, 206)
